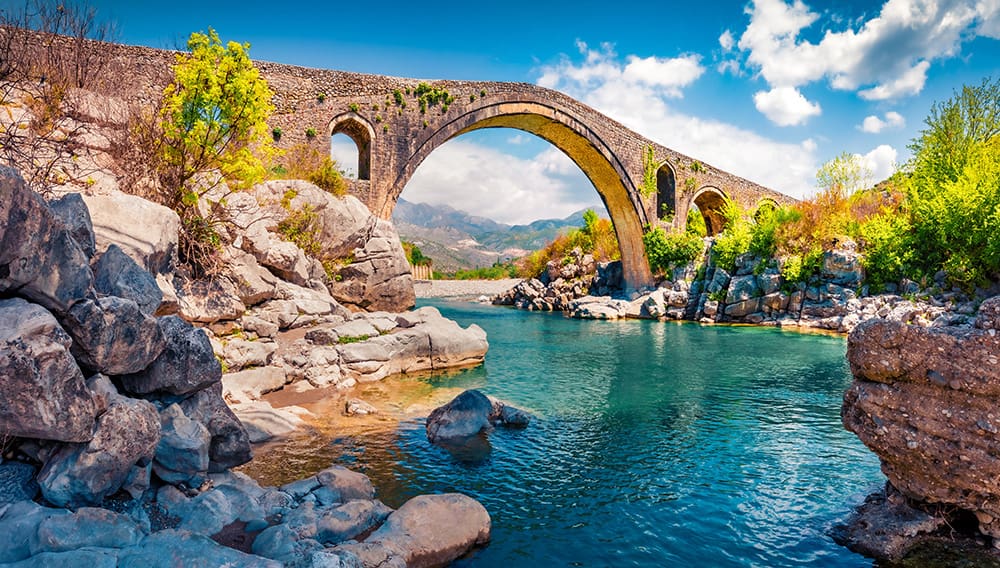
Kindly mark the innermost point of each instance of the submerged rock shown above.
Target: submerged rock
(469, 414)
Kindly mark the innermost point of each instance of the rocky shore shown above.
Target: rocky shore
(117, 443)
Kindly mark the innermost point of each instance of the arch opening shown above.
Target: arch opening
(710, 201)
(666, 198)
(595, 158)
(345, 130)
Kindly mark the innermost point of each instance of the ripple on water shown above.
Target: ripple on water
(653, 444)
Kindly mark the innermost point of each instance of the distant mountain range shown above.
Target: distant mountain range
(457, 240)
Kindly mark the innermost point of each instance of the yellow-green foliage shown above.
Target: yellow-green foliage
(696, 222)
(305, 161)
(596, 237)
(648, 172)
(414, 255)
(667, 250)
(214, 116)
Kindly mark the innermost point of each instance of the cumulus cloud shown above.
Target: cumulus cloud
(873, 124)
(884, 57)
(726, 40)
(484, 181)
(787, 167)
(785, 106)
(881, 162)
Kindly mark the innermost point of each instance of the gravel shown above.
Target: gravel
(462, 288)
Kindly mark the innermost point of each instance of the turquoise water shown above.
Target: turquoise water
(653, 445)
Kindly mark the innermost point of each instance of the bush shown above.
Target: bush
(596, 237)
(801, 267)
(666, 250)
(496, 272)
(304, 161)
(888, 247)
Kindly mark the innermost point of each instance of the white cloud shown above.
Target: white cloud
(670, 74)
(785, 106)
(787, 167)
(726, 40)
(881, 162)
(873, 124)
(886, 57)
(483, 181)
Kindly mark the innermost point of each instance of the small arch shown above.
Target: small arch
(666, 186)
(710, 201)
(362, 133)
(764, 207)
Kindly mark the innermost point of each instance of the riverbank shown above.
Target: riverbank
(462, 288)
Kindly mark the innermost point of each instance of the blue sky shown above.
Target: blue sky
(767, 89)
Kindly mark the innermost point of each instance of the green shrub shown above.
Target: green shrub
(321, 97)
(276, 134)
(667, 250)
(888, 247)
(496, 272)
(310, 132)
(801, 267)
(354, 107)
(305, 161)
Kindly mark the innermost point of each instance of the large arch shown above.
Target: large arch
(361, 132)
(666, 191)
(710, 201)
(591, 154)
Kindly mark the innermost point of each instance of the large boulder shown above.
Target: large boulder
(144, 230)
(171, 547)
(230, 445)
(182, 452)
(84, 474)
(928, 395)
(38, 256)
(112, 335)
(117, 274)
(42, 391)
(378, 276)
(73, 211)
(187, 363)
(429, 530)
(209, 301)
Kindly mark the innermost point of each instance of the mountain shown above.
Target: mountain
(458, 240)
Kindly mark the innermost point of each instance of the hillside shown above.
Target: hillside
(457, 240)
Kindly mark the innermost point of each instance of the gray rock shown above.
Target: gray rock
(88, 526)
(17, 482)
(283, 544)
(146, 231)
(113, 336)
(117, 274)
(379, 277)
(84, 474)
(183, 447)
(886, 527)
(466, 415)
(19, 529)
(88, 557)
(742, 288)
(350, 520)
(264, 422)
(187, 363)
(171, 548)
(335, 559)
(38, 256)
(230, 445)
(358, 407)
(240, 354)
(843, 266)
(73, 211)
(44, 394)
(209, 301)
(433, 530)
(251, 384)
(254, 284)
(348, 484)
(988, 316)
(206, 514)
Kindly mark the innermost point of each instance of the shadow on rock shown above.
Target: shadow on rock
(461, 426)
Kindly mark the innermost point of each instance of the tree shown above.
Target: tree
(214, 120)
(844, 175)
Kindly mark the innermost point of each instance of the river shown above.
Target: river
(652, 444)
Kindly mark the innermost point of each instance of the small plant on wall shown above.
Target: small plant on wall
(321, 97)
(276, 134)
(648, 172)
(310, 132)
(353, 107)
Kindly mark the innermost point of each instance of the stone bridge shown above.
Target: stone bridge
(396, 123)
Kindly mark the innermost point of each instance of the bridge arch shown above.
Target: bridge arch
(710, 201)
(360, 131)
(573, 137)
(666, 190)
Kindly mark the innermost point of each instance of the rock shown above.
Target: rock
(44, 394)
(335, 559)
(466, 415)
(239, 354)
(209, 301)
(355, 329)
(264, 422)
(379, 277)
(429, 530)
(350, 520)
(169, 548)
(182, 452)
(230, 445)
(989, 314)
(113, 336)
(87, 527)
(81, 558)
(743, 308)
(84, 474)
(251, 384)
(39, 259)
(116, 274)
(17, 482)
(655, 304)
(741, 289)
(144, 230)
(348, 484)
(72, 209)
(19, 528)
(253, 283)
(843, 265)
(886, 527)
(186, 364)
(358, 407)
(591, 307)
(505, 415)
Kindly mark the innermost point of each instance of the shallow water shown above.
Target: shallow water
(653, 444)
